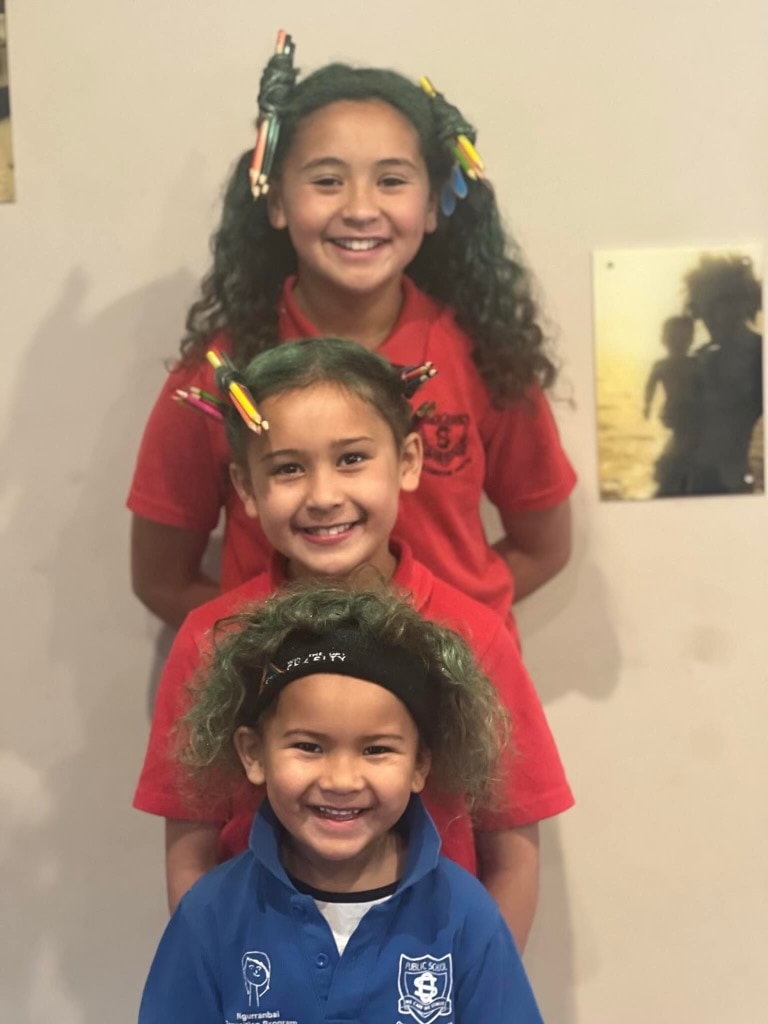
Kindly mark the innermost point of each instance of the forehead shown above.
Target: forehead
(371, 126)
(321, 412)
(334, 704)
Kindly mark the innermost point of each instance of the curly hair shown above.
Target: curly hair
(723, 279)
(469, 263)
(300, 364)
(471, 726)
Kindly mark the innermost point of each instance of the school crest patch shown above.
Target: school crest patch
(425, 984)
(445, 437)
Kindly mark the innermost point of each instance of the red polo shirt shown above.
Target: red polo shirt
(512, 454)
(534, 786)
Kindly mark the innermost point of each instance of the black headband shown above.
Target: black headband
(348, 652)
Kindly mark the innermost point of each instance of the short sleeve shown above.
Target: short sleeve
(526, 466)
(181, 985)
(495, 986)
(164, 786)
(533, 784)
(181, 471)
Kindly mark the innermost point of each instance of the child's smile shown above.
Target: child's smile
(325, 480)
(340, 757)
(355, 197)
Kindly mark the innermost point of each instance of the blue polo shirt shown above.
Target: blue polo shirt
(245, 947)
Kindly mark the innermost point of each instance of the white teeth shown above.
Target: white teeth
(358, 244)
(328, 531)
(335, 812)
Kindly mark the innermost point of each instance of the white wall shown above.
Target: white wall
(604, 123)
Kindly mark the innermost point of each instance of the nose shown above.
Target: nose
(361, 205)
(323, 490)
(341, 773)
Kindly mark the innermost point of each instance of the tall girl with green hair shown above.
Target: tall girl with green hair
(352, 240)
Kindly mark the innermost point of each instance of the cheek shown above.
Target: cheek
(304, 219)
(422, 217)
(384, 496)
(288, 776)
(275, 502)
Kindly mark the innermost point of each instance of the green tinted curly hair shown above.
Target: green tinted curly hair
(308, 361)
(469, 263)
(471, 726)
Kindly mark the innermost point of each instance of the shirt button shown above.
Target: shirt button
(321, 960)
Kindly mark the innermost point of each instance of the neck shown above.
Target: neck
(375, 867)
(366, 318)
(382, 565)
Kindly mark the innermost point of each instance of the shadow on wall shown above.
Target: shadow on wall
(570, 647)
(80, 919)
(570, 644)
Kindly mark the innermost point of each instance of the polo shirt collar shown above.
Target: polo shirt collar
(423, 844)
(417, 307)
(412, 579)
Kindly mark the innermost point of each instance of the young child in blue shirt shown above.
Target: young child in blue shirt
(340, 702)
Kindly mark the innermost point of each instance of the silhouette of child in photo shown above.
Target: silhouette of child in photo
(675, 373)
(677, 376)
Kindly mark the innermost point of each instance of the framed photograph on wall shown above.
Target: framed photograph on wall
(679, 361)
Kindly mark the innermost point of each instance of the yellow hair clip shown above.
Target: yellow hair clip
(239, 394)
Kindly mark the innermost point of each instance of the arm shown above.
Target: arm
(494, 987)
(183, 984)
(165, 788)
(191, 849)
(536, 545)
(508, 867)
(165, 569)
(650, 388)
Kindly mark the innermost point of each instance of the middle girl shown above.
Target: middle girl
(324, 482)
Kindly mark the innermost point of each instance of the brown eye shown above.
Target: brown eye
(352, 459)
(287, 469)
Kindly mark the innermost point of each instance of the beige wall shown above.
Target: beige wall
(604, 123)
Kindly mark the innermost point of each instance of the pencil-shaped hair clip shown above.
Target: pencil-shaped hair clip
(414, 376)
(195, 401)
(208, 397)
(268, 131)
(239, 395)
(464, 150)
(469, 151)
(427, 86)
(424, 410)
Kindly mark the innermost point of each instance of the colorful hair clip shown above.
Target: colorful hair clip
(468, 161)
(227, 379)
(268, 131)
(414, 376)
(424, 410)
(201, 401)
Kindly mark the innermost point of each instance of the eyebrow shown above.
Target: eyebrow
(294, 453)
(334, 161)
(323, 736)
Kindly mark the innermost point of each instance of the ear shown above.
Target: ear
(241, 481)
(275, 207)
(421, 770)
(430, 221)
(250, 750)
(411, 459)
